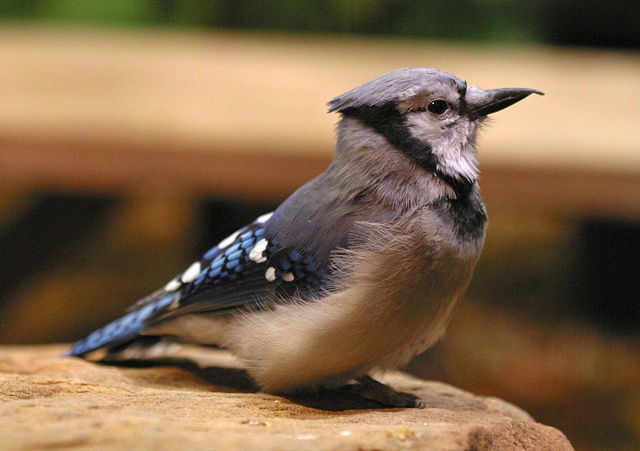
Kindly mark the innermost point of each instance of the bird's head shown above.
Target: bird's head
(430, 116)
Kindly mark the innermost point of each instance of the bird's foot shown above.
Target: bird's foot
(369, 388)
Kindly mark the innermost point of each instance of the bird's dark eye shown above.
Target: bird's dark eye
(438, 107)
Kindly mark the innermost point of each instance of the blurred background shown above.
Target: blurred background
(134, 135)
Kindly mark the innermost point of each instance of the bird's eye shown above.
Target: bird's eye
(438, 107)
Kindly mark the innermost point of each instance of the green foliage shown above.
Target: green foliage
(561, 21)
(464, 19)
(98, 11)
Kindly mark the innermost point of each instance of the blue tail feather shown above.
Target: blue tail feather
(121, 330)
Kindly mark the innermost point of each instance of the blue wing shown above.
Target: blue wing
(247, 268)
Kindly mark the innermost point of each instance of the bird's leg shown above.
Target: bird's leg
(369, 388)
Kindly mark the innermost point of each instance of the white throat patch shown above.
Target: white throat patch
(452, 142)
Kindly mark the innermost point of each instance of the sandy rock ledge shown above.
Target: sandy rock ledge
(48, 401)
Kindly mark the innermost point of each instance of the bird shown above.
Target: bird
(359, 269)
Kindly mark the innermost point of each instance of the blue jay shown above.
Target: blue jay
(359, 269)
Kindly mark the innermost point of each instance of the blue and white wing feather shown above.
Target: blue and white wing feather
(245, 270)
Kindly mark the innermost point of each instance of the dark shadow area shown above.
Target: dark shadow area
(49, 231)
(233, 378)
(591, 23)
(337, 400)
(608, 272)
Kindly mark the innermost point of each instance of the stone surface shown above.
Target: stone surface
(48, 401)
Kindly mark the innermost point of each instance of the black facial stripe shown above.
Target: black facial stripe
(462, 101)
(390, 123)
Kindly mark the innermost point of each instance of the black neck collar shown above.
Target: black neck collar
(389, 122)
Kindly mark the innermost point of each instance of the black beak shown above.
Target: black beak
(481, 102)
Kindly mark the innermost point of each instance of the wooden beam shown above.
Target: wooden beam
(244, 113)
